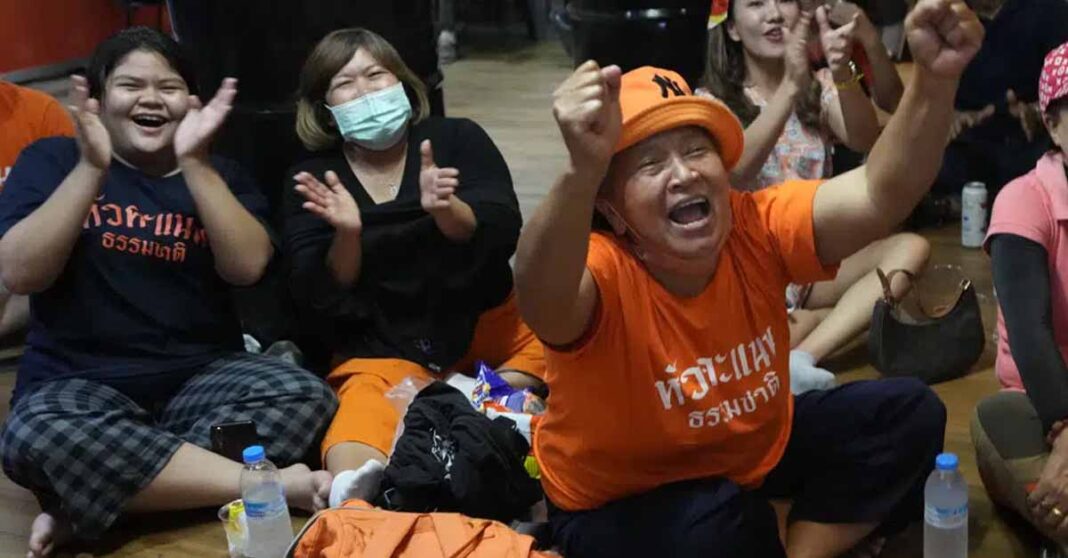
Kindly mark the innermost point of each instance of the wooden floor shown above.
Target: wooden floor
(507, 91)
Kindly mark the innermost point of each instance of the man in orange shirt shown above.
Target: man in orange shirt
(26, 115)
(670, 423)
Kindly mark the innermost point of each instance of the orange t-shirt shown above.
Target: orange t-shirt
(664, 388)
(27, 115)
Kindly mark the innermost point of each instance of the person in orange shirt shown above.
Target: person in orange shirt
(26, 115)
(659, 294)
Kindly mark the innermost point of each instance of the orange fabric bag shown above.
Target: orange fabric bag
(356, 530)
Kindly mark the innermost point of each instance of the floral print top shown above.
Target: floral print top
(801, 152)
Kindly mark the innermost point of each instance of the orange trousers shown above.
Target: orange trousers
(364, 413)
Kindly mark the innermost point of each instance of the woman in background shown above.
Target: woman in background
(759, 65)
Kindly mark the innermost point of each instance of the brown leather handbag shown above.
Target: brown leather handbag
(943, 345)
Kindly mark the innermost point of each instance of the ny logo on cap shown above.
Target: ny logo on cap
(667, 85)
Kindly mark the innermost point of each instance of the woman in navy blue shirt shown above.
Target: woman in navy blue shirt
(127, 240)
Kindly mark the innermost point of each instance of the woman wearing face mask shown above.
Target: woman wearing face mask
(759, 66)
(1019, 434)
(127, 240)
(399, 236)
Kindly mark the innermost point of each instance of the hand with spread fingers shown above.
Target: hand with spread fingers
(436, 185)
(586, 108)
(93, 139)
(331, 201)
(194, 133)
(964, 120)
(1027, 114)
(943, 36)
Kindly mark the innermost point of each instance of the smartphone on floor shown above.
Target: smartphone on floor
(229, 439)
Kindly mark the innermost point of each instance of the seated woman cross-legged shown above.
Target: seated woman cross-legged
(759, 66)
(1021, 449)
(659, 295)
(127, 240)
(399, 237)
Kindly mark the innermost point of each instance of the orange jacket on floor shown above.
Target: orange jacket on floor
(357, 530)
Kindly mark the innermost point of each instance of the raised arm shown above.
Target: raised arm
(764, 132)
(866, 204)
(34, 252)
(556, 293)
(852, 119)
(239, 243)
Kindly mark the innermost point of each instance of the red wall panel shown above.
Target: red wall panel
(42, 32)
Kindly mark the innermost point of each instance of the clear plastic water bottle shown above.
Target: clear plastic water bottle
(269, 528)
(945, 525)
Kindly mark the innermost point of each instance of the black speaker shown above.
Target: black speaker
(668, 34)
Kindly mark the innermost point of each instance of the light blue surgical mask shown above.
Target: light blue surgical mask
(376, 121)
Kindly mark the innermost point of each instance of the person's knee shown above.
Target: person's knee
(307, 388)
(1003, 406)
(9, 441)
(21, 431)
(922, 412)
(1009, 422)
(713, 518)
(319, 393)
(909, 251)
(930, 410)
(1010, 447)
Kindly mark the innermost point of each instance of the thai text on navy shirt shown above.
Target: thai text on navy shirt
(139, 298)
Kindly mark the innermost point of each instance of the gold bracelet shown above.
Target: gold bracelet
(852, 81)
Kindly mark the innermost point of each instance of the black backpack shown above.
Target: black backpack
(452, 458)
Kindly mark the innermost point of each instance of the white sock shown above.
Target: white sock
(806, 376)
(362, 483)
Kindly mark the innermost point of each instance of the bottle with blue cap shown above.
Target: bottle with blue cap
(945, 517)
(263, 494)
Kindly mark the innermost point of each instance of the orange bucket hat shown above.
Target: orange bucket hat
(654, 100)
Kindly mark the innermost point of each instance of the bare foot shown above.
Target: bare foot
(306, 489)
(48, 532)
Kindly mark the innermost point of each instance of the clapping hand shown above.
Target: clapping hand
(331, 201)
(94, 142)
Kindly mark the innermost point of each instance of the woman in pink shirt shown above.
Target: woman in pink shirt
(1022, 454)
